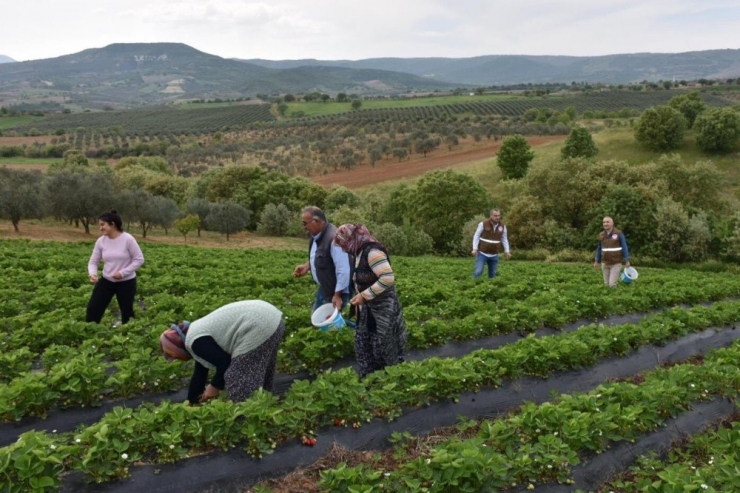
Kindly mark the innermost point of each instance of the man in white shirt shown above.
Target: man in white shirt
(488, 241)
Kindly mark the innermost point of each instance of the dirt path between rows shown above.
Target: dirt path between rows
(390, 170)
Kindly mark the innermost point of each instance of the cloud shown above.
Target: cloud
(351, 29)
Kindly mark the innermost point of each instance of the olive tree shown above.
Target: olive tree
(228, 218)
(21, 195)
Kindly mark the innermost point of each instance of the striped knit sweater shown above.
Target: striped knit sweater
(378, 262)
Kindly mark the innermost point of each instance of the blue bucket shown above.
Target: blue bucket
(326, 317)
(628, 275)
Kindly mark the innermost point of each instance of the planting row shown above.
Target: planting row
(540, 443)
(171, 431)
(44, 299)
(708, 462)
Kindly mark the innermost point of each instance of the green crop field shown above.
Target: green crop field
(53, 360)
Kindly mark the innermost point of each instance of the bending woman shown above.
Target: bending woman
(239, 341)
(380, 336)
(121, 257)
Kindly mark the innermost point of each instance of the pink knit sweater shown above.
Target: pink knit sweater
(120, 255)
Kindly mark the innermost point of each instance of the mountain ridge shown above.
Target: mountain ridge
(131, 74)
(487, 70)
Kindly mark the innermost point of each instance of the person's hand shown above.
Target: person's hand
(301, 270)
(337, 301)
(357, 300)
(508, 255)
(596, 265)
(118, 275)
(474, 253)
(93, 279)
(210, 393)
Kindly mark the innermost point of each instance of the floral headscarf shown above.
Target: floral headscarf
(172, 342)
(353, 237)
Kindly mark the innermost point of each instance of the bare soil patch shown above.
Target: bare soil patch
(391, 169)
(39, 167)
(15, 141)
(61, 232)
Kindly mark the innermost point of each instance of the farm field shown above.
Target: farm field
(476, 349)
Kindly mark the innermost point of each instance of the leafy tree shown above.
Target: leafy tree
(399, 204)
(566, 190)
(224, 185)
(718, 130)
(289, 98)
(442, 202)
(339, 196)
(690, 105)
(632, 212)
(21, 195)
(187, 224)
(342, 97)
(356, 104)
(514, 157)
(228, 218)
(282, 108)
(694, 184)
(661, 128)
(579, 143)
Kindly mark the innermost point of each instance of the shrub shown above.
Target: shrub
(275, 220)
(393, 238)
(661, 128)
(718, 130)
(579, 144)
(514, 157)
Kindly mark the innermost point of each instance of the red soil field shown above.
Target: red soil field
(391, 169)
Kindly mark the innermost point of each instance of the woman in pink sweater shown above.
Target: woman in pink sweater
(121, 257)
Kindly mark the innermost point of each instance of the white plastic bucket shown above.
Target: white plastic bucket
(326, 317)
(628, 275)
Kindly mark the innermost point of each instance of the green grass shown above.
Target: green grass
(199, 106)
(25, 160)
(315, 108)
(12, 121)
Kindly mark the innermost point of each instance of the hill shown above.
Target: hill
(516, 69)
(6, 59)
(146, 73)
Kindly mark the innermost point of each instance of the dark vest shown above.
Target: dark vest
(490, 238)
(323, 263)
(364, 276)
(611, 248)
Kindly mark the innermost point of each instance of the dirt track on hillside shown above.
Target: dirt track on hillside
(390, 170)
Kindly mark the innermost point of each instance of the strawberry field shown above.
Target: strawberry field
(473, 346)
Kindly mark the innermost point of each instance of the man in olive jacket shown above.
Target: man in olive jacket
(328, 264)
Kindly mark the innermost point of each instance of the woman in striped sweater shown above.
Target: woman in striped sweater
(380, 336)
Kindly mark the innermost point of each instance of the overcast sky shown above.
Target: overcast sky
(350, 29)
